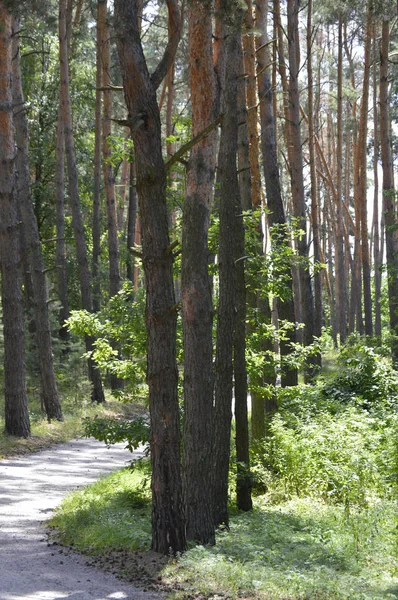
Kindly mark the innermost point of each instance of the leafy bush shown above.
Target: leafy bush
(112, 431)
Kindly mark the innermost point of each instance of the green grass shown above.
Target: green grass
(301, 549)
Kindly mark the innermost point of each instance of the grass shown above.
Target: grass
(297, 550)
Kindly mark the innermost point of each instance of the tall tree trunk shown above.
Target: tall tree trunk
(389, 209)
(49, 389)
(109, 178)
(228, 204)
(297, 182)
(276, 216)
(60, 249)
(168, 526)
(362, 176)
(377, 257)
(197, 309)
(340, 277)
(97, 394)
(314, 187)
(249, 53)
(243, 477)
(131, 224)
(96, 233)
(16, 401)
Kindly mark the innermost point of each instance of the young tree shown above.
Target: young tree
(168, 525)
(16, 401)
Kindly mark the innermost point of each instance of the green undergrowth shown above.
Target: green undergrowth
(298, 549)
(44, 434)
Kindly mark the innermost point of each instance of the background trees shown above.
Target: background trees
(294, 174)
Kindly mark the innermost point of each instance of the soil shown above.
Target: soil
(32, 565)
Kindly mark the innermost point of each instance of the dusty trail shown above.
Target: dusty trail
(30, 488)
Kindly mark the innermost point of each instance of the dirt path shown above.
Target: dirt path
(30, 488)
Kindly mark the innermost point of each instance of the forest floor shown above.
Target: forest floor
(32, 567)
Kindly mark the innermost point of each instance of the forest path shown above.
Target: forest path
(30, 488)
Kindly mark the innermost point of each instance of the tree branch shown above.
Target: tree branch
(175, 30)
(186, 147)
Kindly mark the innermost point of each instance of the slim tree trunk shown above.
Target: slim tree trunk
(228, 204)
(197, 309)
(97, 394)
(297, 182)
(276, 216)
(168, 526)
(16, 401)
(340, 278)
(131, 224)
(96, 233)
(362, 176)
(389, 209)
(377, 257)
(49, 389)
(109, 178)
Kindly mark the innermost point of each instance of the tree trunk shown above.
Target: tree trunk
(16, 401)
(341, 307)
(109, 178)
(377, 257)
(297, 182)
(168, 527)
(197, 308)
(389, 209)
(131, 224)
(276, 216)
(97, 394)
(49, 389)
(362, 176)
(228, 203)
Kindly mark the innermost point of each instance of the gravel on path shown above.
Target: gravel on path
(30, 488)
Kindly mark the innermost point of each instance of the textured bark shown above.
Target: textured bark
(97, 394)
(197, 309)
(228, 204)
(60, 249)
(243, 478)
(49, 391)
(249, 53)
(109, 178)
(276, 216)
(314, 187)
(297, 183)
(96, 233)
(16, 401)
(377, 256)
(341, 303)
(362, 177)
(389, 209)
(168, 527)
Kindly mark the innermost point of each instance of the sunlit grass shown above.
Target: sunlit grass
(301, 549)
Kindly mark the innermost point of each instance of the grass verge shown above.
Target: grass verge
(297, 550)
(44, 434)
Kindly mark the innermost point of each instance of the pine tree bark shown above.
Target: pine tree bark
(168, 526)
(297, 182)
(49, 391)
(15, 396)
(97, 394)
(341, 307)
(389, 209)
(109, 178)
(377, 256)
(197, 308)
(243, 477)
(228, 204)
(276, 216)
